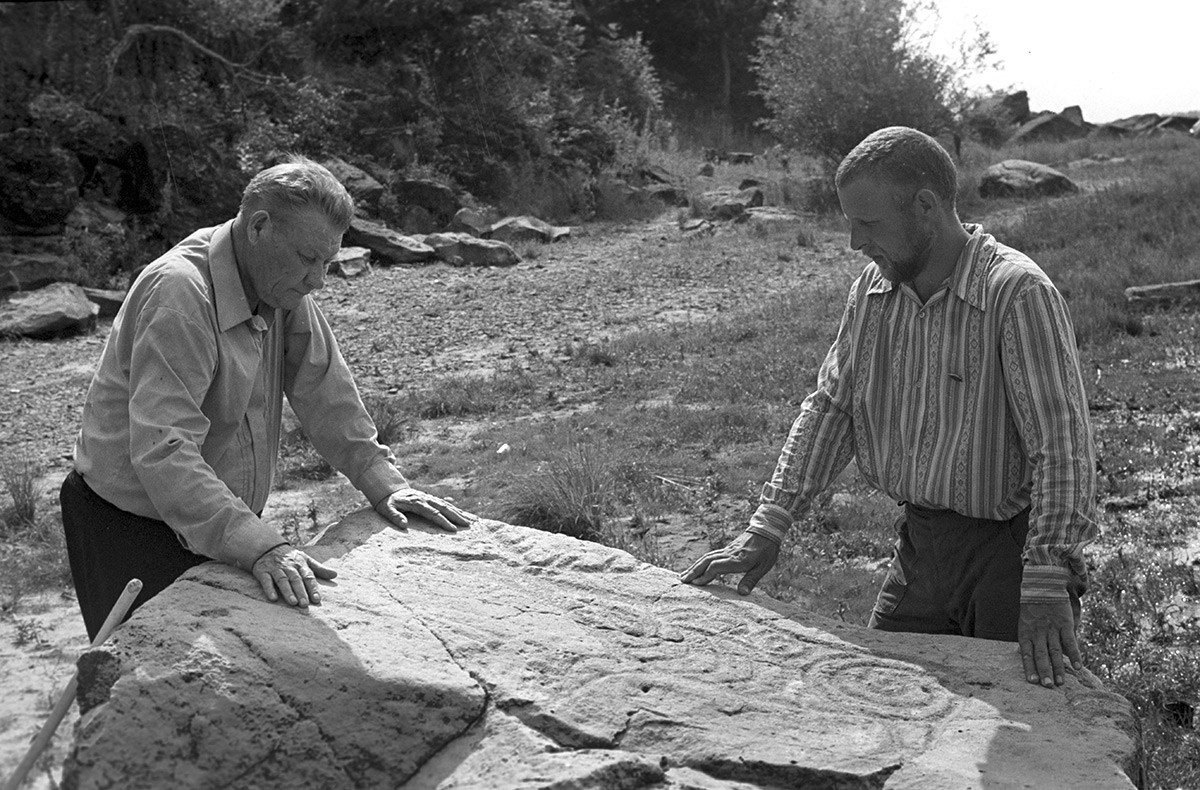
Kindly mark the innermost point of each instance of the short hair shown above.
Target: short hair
(296, 183)
(904, 156)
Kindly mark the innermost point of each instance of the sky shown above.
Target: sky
(1113, 58)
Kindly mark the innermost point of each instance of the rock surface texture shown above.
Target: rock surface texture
(503, 657)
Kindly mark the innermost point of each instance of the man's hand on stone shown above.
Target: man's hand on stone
(293, 573)
(749, 553)
(1045, 633)
(433, 509)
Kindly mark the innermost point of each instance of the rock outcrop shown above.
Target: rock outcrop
(1023, 179)
(504, 657)
(57, 309)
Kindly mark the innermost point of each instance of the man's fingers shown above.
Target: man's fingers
(1056, 657)
(698, 568)
(1028, 662)
(321, 570)
(753, 577)
(268, 585)
(1071, 649)
(1041, 658)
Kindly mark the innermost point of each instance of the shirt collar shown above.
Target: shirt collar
(967, 281)
(232, 306)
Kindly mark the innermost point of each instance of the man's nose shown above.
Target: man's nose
(316, 277)
(857, 238)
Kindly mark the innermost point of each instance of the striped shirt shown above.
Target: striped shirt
(972, 401)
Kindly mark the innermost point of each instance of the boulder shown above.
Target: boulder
(25, 271)
(512, 230)
(728, 203)
(436, 198)
(1020, 178)
(1008, 108)
(472, 220)
(39, 181)
(390, 246)
(1051, 126)
(365, 190)
(1177, 123)
(1127, 127)
(668, 194)
(107, 301)
(463, 249)
(351, 262)
(57, 309)
(506, 657)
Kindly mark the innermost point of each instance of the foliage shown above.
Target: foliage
(834, 71)
(702, 51)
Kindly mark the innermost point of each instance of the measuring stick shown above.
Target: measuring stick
(64, 702)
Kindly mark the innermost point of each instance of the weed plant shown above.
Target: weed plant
(32, 546)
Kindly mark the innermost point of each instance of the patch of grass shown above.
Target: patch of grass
(1095, 246)
(1141, 636)
(392, 423)
(461, 396)
(568, 494)
(19, 475)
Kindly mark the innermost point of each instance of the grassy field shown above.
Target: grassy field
(680, 425)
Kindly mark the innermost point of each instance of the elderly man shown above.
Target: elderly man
(954, 382)
(180, 431)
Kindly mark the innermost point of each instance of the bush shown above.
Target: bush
(831, 73)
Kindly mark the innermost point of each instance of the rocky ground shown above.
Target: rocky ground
(401, 327)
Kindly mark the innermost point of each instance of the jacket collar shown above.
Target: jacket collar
(229, 297)
(968, 280)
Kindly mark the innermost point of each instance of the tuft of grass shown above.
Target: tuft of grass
(461, 396)
(391, 421)
(19, 475)
(568, 494)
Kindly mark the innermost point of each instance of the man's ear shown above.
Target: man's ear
(926, 201)
(259, 225)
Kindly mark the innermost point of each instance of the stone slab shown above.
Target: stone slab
(505, 657)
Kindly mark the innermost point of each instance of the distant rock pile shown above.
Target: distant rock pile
(1006, 117)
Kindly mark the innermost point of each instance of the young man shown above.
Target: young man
(180, 431)
(954, 383)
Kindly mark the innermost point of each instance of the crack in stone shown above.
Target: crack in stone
(765, 774)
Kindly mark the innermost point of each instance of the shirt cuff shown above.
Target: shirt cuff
(380, 481)
(1044, 584)
(770, 521)
(249, 541)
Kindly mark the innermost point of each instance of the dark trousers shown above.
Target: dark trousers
(108, 546)
(952, 574)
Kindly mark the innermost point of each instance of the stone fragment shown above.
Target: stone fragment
(365, 190)
(513, 230)
(351, 262)
(1023, 179)
(463, 249)
(391, 247)
(436, 198)
(25, 271)
(108, 301)
(59, 308)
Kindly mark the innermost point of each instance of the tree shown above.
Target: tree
(702, 48)
(833, 71)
